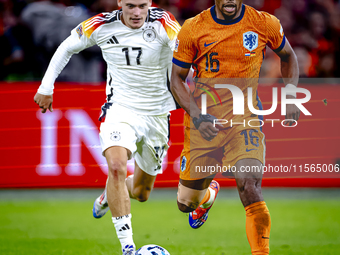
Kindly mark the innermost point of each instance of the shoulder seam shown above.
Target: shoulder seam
(99, 20)
(160, 14)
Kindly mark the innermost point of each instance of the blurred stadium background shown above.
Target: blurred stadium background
(61, 149)
(30, 32)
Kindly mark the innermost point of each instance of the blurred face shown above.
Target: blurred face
(134, 12)
(228, 9)
(317, 24)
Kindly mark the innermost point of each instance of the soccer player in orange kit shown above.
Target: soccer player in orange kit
(226, 45)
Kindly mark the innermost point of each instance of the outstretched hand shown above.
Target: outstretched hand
(44, 102)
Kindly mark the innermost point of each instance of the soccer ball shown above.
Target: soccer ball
(152, 249)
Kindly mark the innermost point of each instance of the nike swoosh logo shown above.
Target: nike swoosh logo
(206, 45)
(247, 150)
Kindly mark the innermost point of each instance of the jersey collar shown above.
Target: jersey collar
(226, 22)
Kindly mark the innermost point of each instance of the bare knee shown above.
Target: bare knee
(188, 199)
(117, 169)
(141, 193)
(249, 190)
(142, 197)
(186, 208)
(249, 185)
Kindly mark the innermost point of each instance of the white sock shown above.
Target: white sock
(211, 199)
(124, 229)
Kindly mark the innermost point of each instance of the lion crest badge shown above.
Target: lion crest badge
(250, 40)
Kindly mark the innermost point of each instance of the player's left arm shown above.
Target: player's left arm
(77, 41)
(278, 42)
(290, 76)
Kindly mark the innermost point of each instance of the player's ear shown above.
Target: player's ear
(119, 2)
(150, 3)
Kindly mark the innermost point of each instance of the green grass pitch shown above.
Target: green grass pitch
(304, 221)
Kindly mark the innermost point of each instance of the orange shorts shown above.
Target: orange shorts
(201, 158)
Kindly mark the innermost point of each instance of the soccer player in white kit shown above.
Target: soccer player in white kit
(137, 43)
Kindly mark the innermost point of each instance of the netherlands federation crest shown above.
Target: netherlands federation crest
(183, 163)
(250, 40)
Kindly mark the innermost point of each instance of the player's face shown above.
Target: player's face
(228, 9)
(134, 12)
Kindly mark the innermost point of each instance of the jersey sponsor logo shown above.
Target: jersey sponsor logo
(247, 150)
(206, 45)
(113, 40)
(149, 34)
(115, 136)
(183, 163)
(80, 31)
(250, 40)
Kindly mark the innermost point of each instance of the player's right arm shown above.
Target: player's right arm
(184, 54)
(185, 99)
(81, 38)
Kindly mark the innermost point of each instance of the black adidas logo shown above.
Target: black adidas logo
(125, 227)
(113, 40)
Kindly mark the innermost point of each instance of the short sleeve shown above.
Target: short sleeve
(172, 28)
(275, 36)
(185, 49)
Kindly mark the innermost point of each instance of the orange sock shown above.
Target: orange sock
(258, 227)
(206, 197)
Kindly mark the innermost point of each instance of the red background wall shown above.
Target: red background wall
(315, 140)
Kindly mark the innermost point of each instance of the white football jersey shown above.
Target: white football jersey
(138, 60)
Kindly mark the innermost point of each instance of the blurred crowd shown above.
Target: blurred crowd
(31, 31)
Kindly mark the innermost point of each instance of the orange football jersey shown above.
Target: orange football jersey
(227, 52)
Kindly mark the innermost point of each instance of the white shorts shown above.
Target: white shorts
(145, 136)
